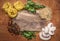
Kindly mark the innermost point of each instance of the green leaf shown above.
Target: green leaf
(27, 6)
(31, 3)
(32, 10)
(39, 6)
(28, 34)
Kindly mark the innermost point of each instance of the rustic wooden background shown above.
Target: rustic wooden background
(6, 36)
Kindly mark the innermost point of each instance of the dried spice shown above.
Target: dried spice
(13, 28)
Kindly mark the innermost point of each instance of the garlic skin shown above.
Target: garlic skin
(45, 13)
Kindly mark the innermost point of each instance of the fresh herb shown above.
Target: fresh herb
(31, 3)
(32, 10)
(28, 34)
(31, 6)
(27, 7)
(39, 6)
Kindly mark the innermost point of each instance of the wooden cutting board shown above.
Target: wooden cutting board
(28, 21)
(6, 36)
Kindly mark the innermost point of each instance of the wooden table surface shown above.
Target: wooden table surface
(6, 36)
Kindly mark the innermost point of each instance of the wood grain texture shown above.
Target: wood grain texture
(6, 36)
